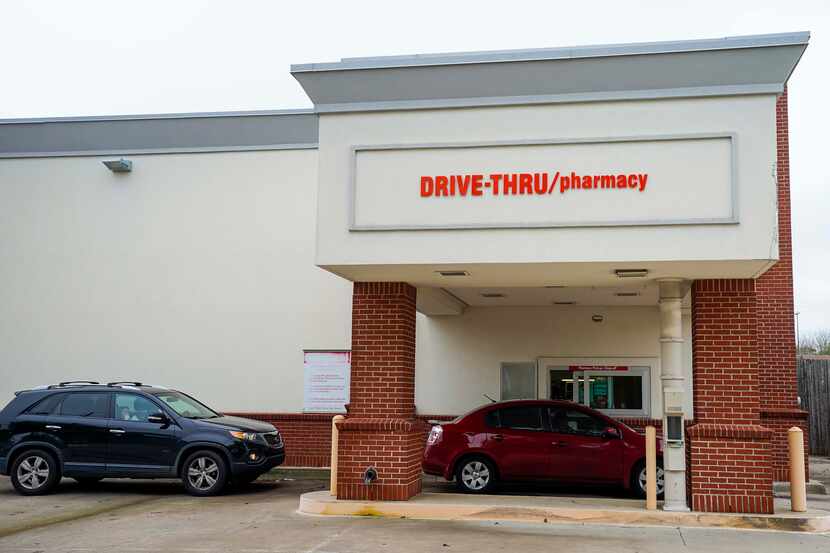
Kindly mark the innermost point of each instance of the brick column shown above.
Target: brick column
(381, 430)
(730, 452)
(776, 333)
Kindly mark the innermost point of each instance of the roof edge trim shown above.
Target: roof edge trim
(152, 116)
(568, 52)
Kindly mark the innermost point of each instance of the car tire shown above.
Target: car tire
(35, 472)
(87, 481)
(204, 473)
(476, 475)
(638, 482)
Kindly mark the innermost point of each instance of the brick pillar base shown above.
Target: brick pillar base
(731, 468)
(780, 421)
(393, 447)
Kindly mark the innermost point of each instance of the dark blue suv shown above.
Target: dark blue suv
(88, 431)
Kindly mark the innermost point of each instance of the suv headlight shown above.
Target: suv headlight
(244, 436)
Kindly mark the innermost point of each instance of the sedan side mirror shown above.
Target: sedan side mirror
(611, 433)
(158, 418)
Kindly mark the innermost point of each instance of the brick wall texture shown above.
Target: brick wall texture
(730, 466)
(776, 329)
(383, 350)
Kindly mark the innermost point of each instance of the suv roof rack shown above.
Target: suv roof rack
(124, 383)
(70, 383)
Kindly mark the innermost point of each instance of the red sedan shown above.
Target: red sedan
(538, 440)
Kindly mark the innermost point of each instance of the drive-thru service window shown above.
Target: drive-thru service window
(621, 390)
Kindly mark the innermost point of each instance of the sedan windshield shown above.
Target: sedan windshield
(186, 406)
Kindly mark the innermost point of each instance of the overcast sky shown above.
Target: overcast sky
(114, 57)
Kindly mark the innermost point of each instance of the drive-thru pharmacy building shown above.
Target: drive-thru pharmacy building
(606, 224)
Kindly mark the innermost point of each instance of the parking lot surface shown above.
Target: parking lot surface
(126, 516)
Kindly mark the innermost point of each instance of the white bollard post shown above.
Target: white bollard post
(798, 486)
(651, 468)
(334, 438)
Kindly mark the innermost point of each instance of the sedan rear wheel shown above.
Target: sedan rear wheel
(475, 475)
(639, 483)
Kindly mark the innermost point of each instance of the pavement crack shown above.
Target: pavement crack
(682, 538)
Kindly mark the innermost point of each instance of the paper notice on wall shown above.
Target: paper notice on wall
(326, 379)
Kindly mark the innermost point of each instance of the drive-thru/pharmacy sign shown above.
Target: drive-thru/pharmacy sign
(658, 180)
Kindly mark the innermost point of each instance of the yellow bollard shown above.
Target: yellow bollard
(334, 437)
(798, 487)
(651, 468)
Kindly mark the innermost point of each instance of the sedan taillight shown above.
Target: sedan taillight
(435, 435)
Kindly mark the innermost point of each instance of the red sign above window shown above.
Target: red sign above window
(574, 368)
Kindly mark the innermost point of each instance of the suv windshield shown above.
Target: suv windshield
(186, 406)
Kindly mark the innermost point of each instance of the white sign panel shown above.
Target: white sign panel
(609, 182)
(326, 380)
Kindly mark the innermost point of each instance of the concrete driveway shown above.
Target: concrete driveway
(135, 516)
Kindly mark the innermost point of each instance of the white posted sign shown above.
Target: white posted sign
(326, 379)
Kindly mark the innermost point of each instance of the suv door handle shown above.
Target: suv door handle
(52, 427)
(117, 431)
(498, 437)
(560, 444)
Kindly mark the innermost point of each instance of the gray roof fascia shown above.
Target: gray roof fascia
(566, 52)
(721, 67)
(158, 133)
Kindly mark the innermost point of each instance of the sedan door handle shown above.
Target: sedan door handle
(52, 427)
(498, 437)
(560, 444)
(117, 431)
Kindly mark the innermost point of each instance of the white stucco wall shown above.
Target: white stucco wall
(458, 358)
(195, 271)
(749, 245)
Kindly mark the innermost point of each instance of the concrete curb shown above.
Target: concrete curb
(435, 506)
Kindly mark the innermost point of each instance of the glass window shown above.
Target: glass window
(186, 406)
(47, 406)
(85, 405)
(521, 418)
(561, 384)
(491, 419)
(573, 421)
(623, 392)
(132, 407)
(518, 381)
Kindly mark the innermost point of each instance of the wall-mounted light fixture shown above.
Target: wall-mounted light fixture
(119, 165)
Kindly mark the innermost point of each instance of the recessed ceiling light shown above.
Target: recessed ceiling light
(453, 273)
(630, 273)
(492, 295)
(626, 294)
(564, 302)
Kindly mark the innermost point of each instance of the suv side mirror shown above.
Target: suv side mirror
(158, 418)
(611, 433)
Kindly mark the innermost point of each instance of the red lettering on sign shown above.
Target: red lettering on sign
(526, 184)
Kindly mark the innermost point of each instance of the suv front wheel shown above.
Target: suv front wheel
(35, 472)
(204, 473)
